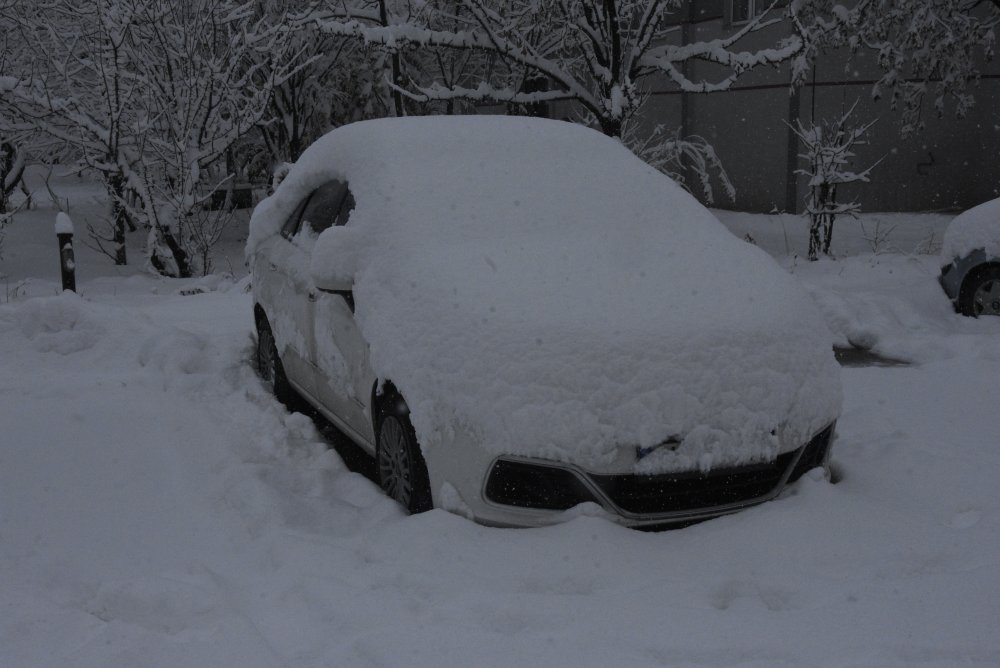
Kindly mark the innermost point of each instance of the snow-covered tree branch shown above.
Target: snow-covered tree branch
(924, 47)
(593, 52)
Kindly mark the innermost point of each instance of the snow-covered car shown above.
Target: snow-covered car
(970, 259)
(517, 317)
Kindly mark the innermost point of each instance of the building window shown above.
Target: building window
(742, 11)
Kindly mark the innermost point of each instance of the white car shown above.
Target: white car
(521, 321)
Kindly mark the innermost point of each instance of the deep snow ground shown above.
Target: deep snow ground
(158, 508)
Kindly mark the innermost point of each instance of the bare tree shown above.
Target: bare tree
(76, 90)
(597, 54)
(209, 69)
(12, 157)
(828, 153)
(336, 81)
(593, 52)
(151, 94)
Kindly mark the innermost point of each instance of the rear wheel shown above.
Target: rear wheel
(269, 363)
(402, 472)
(981, 292)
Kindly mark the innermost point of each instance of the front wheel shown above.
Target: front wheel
(402, 472)
(269, 366)
(981, 292)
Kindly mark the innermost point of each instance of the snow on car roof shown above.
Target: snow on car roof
(977, 228)
(536, 283)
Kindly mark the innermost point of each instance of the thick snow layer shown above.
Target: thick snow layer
(64, 224)
(976, 229)
(158, 508)
(538, 284)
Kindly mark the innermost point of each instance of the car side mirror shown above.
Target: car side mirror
(334, 261)
(332, 282)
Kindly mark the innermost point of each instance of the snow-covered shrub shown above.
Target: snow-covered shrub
(679, 157)
(828, 153)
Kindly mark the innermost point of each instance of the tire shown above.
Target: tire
(269, 363)
(400, 466)
(980, 294)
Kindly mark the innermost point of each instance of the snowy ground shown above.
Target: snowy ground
(159, 508)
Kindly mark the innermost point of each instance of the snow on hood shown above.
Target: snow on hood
(536, 283)
(977, 228)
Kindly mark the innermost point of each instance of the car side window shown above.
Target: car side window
(291, 225)
(345, 210)
(324, 206)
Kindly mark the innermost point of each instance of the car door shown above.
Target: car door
(282, 287)
(344, 379)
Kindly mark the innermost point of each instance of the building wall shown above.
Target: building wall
(950, 165)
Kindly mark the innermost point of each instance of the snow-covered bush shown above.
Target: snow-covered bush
(678, 157)
(828, 152)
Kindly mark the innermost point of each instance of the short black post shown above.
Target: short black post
(67, 263)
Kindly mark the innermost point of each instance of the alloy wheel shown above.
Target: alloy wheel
(395, 466)
(986, 299)
(266, 357)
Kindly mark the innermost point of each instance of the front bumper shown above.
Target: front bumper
(522, 491)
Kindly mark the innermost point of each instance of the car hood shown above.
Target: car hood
(563, 358)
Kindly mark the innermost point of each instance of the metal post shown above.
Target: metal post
(67, 263)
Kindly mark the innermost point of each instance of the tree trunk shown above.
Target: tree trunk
(612, 127)
(816, 222)
(397, 98)
(828, 225)
(12, 166)
(119, 216)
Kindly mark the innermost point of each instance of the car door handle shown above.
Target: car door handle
(274, 267)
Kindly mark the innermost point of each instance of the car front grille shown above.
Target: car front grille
(532, 484)
(676, 492)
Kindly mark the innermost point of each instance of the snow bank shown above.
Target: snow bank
(977, 228)
(60, 324)
(535, 282)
